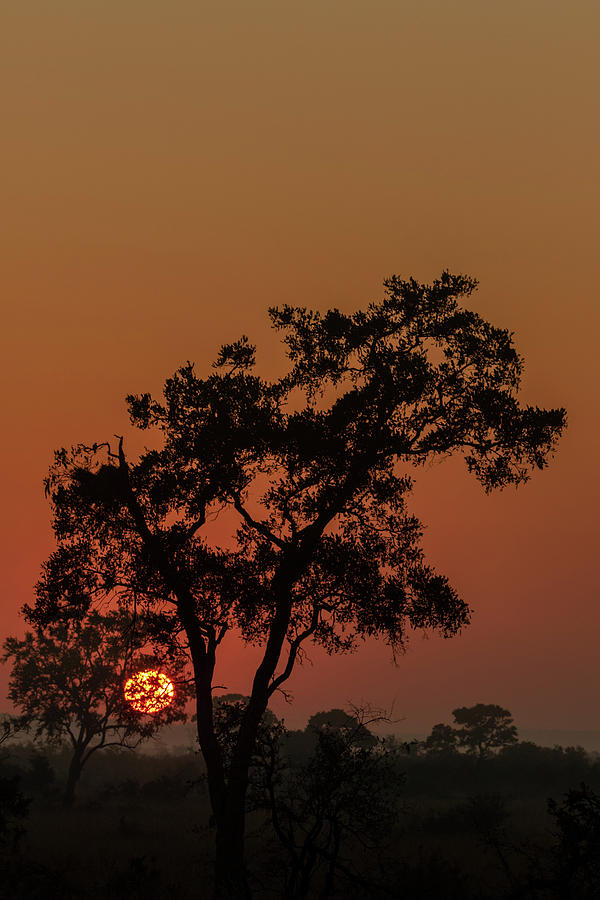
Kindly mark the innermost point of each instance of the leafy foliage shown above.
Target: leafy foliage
(11, 726)
(345, 724)
(443, 739)
(345, 792)
(228, 716)
(415, 377)
(68, 678)
(485, 727)
(316, 469)
(578, 843)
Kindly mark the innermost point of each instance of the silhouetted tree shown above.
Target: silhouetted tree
(228, 715)
(342, 798)
(12, 725)
(566, 869)
(68, 680)
(443, 739)
(577, 850)
(485, 727)
(315, 467)
(349, 725)
(14, 807)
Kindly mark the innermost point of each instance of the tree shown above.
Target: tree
(14, 807)
(343, 797)
(11, 726)
(228, 715)
(577, 856)
(443, 739)
(68, 680)
(315, 468)
(485, 727)
(566, 869)
(349, 725)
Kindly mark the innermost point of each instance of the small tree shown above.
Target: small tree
(229, 711)
(11, 726)
(576, 861)
(315, 469)
(68, 680)
(340, 759)
(349, 725)
(485, 727)
(343, 798)
(443, 739)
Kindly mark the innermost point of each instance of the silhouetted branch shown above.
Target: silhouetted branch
(258, 526)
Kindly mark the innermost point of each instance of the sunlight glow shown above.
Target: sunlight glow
(149, 691)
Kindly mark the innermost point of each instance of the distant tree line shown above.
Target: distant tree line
(331, 798)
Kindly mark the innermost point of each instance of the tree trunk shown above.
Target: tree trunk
(231, 881)
(72, 779)
(228, 795)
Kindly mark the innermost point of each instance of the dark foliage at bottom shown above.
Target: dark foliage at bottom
(352, 820)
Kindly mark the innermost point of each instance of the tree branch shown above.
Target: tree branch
(294, 648)
(258, 526)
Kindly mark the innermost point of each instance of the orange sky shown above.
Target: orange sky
(172, 169)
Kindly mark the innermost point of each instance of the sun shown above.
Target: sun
(149, 691)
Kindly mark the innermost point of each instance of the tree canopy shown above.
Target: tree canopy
(350, 725)
(316, 468)
(485, 727)
(68, 678)
(443, 739)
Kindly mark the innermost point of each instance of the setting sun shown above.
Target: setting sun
(149, 691)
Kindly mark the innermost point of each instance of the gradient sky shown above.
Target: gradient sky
(169, 170)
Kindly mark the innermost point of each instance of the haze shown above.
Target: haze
(171, 170)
